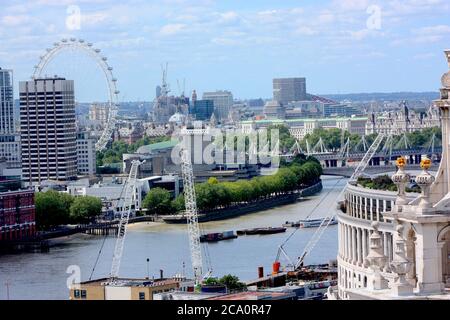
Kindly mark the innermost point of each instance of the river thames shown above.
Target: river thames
(42, 276)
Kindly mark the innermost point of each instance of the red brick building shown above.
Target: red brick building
(17, 215)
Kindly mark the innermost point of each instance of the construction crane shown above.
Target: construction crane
(326, 221)
(128, 193)
(192, 214)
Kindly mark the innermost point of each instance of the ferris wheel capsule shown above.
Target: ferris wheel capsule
(97, 50)
(64, 40)
(110, 68)
(104, 58)
(117, 92)
(90, 44)
(81, 41)
(73, 39)
(56, 44)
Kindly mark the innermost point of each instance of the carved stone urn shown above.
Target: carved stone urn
(424, 180)
(401, 178)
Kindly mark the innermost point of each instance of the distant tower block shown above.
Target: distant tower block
(194, 97)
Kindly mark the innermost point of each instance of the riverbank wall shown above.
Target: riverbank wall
(243, 209)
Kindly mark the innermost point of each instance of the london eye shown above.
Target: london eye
(94, 54)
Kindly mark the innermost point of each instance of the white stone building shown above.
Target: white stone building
(400, 122)
(394, 245)
(299, 128)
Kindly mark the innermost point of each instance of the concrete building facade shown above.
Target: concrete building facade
(287, 90)
(48, 133)
(223, 102)
(86, 154)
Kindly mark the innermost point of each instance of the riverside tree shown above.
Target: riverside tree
(158, 201)
(85, 209)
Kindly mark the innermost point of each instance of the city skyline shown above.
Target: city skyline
(240, 47)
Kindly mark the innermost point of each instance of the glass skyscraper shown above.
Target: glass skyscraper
(9, 138)
(202, 110)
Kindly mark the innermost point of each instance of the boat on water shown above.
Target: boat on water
(215, 237)
(291, 224)
(261, 231)
(315, 223)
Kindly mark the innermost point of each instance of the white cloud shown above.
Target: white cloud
(172, 29)
(15, 20)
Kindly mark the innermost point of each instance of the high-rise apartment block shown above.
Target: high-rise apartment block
(9, 138)
(287, 90)
(86, 154)
(223, 102)
(48, 132)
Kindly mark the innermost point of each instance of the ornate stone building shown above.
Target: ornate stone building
(404, 120)
(396, 245)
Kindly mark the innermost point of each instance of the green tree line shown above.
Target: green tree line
(302, 172)
(54, 209)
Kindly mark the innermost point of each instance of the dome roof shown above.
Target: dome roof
(177, 118)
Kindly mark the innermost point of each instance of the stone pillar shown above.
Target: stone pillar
(428, 259)
(364, 246)
(346, 243)
(360, 211)
(371, 209)
(378, 209)
(365, 207)
(354, 246)
(359, 247)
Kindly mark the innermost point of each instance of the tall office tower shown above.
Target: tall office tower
(286, 90)
(223, 102)
(202, 110)
(48, 133)
(9, 138)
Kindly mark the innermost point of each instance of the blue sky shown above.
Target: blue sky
(340, 46)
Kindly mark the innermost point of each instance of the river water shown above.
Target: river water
(43, 275)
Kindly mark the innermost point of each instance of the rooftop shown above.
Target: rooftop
(158, 146)
(124, 282)
(255, 295)
(306, 120)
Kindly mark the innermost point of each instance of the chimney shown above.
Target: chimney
(161, 274)
(261, 272)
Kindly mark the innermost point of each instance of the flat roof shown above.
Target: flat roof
(158, 146)
(254, 295)
(123, 282)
